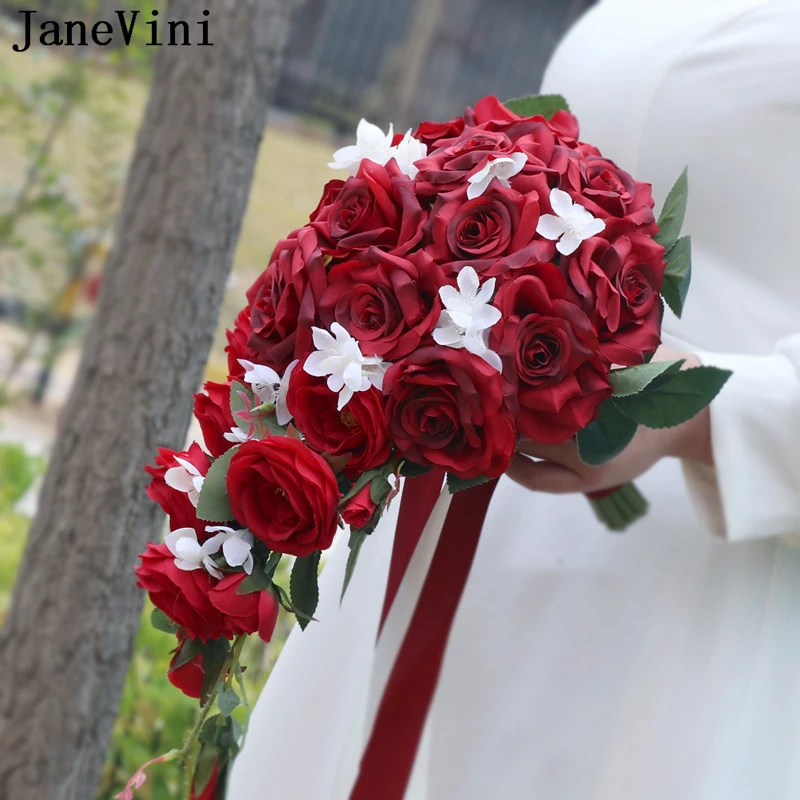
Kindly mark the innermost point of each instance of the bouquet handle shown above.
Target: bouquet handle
(619, 507)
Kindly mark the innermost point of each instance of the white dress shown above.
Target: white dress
(662, 664)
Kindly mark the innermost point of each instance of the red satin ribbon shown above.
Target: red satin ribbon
(392, 747)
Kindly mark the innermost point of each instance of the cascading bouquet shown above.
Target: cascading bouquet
(487, 279)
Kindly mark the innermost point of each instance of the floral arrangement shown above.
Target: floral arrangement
(483, 280)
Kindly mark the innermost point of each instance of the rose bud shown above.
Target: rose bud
(187, 677)
(213, 412)
(359, 509)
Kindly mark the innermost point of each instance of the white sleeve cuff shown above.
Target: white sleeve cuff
(753, 490)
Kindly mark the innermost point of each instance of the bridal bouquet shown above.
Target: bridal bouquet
(483, 280)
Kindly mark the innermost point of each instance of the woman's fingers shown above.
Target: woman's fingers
(545, 476)
(565, 454)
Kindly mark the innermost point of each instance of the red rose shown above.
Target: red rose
(555, 377)
(484, 229)
(285, 494)
(358, 430)
(607, 191)
(283, 301)
(619, 283)
(182, 596)
(189, 676)
(237, 345)
(329, 194)
(431, 133)
(449, 166)
(213, 412)
(376, 208)
(254, 612)
(390, 304)
(178, 503)
(359, 509)
(446, 409)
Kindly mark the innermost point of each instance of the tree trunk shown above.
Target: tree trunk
(69, 633)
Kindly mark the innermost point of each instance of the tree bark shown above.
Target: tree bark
(75, 610)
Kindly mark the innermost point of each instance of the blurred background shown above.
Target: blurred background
(68, 121)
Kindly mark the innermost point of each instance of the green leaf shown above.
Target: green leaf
(189, 649)
(673, 212)
(545, 104)
(227, 699)
(257, 581)
(272, 564)
(214, 504)
(678, 274)
(357, 538)
(204, 768)
(284, 600)
(678, 400)
(379, 489)
(238, 404)
(636, 379)
(456, 484)
(214, 654)
(304, 587)
(161, 622)
(408, 469)
(606, 437)
(360, 484)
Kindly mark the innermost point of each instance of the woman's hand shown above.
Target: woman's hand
(561, 470)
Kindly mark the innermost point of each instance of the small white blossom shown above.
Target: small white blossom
(408, 151)
(237, 546)
(502, 168)
(236, 435)
(269, 387)
(467, 316)
(185, 478)
(339, 358)
(189, 553)
(371, 143)
(570, 225)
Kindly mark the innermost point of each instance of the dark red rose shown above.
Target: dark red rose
(285, 494)
(237, 347)
(607, 191)
(182, 596)
(187, 677)
(431, 133)
(359, 509)
(619, 283)
(329, 194)
(376, 208)
(446, 409)
(390, 304)
(176, 502)
(357, 431)
(482, 230)
(283, 301)
(555, 377)
(449, 166)
(213, 412)
(489, 113)
(254, 612)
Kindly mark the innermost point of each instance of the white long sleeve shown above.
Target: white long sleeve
(753, 490)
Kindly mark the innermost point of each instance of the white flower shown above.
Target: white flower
(340, 358)
(501, 168)
(236, 435)
(467, 316)
(371, 143)
(269, 387)
(570, 225)
(237, 546)
(185, 478)
(407, 152)
(189, 553)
